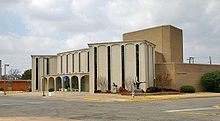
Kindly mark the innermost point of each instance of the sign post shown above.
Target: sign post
(64, 81)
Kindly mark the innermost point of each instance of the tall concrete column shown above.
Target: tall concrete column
(70, 82)
(41, 85)
(55, 84)
(79, 77)
(47, 82)
(62, 88)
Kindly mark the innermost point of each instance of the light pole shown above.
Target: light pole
(5, 76)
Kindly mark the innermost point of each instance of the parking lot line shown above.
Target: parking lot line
(95, 99)
(210, 114)
(189, 111)
(193, 109)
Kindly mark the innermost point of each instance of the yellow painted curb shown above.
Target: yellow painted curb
(135, 100)
(95, 99)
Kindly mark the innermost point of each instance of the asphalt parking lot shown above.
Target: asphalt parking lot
(197, 109)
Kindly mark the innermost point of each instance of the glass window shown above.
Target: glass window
(79, 63)
(109, 68)
(37, 73)
(95, 67)
(123, 65)
(47, 65)
(66, 63)
(137, 62)
(61, 64)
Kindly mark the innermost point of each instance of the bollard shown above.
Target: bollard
(132, 94)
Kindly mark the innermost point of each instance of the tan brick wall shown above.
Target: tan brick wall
(159, 58)
(176, 44)
(168, 41)
(169, 69)
(153, 35)
(186, 74)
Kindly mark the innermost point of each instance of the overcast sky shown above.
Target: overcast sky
(30, 27)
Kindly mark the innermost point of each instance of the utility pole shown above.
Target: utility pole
(210, 59)
(191, 59)
(5, 77)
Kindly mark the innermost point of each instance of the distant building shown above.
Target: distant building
(16, 85)
(0, 69)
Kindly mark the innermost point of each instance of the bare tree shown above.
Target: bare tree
(14, 74)
(102, 83)
(129, 84)
(163, 80)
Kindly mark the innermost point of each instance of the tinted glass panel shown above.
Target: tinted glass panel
(109, 68)
(137, 62)
(95, 67)
(37, 64)
(123, 65)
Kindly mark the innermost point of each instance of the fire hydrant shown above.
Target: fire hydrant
(132, 94)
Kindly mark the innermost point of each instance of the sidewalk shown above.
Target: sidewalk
(116, 97)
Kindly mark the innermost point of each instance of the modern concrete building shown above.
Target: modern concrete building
(143, 55)
(99, 67)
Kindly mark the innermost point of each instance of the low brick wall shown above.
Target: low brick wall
(16, 85)
(185, 74)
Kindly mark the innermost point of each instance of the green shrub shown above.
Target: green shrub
(211, 80)
(215, 90)
(188, 89)
(153, 89)
(51, 89)
(1, 89)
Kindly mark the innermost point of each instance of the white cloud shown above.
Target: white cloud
(59, 25)
(77, 41)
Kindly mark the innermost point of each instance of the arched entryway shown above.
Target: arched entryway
(44, 84)
(75, 83)
(85, 84)
(51, 82)
(66, 83)
(58, 84)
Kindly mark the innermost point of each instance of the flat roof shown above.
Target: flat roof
(73, 51)
(44, 55)
(122, 42)
(151, 28)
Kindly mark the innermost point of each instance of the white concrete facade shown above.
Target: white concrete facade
(146, 64)
(96, 68)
